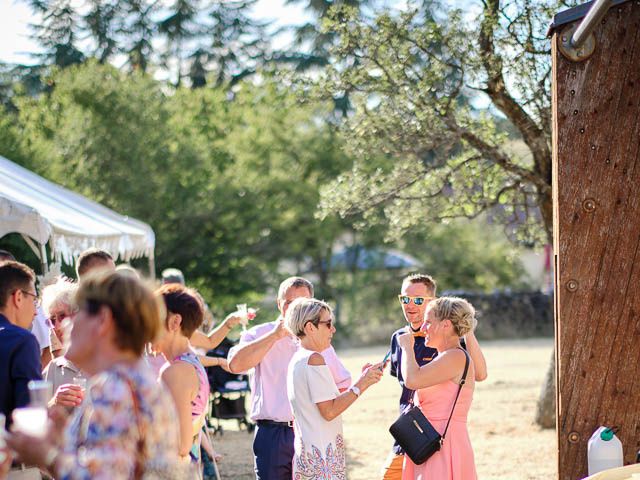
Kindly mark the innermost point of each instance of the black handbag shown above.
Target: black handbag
(415, 434)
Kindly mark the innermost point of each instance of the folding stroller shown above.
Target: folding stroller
(228, 392)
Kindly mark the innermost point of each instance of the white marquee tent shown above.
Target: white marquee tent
(44, 212)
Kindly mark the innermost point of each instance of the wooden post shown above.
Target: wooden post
(596, 178)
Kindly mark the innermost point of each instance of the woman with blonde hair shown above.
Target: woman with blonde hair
(317, 404)
(126, 427)
(437, 386)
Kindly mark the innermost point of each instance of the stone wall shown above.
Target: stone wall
(511, 314)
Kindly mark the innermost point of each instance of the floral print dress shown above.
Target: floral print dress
(319, 445)
(102, 439)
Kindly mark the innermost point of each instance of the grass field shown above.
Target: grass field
(507, 444)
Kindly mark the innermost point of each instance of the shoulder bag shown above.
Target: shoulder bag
(415, 434)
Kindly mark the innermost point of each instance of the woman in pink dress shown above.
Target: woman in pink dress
(447, 319)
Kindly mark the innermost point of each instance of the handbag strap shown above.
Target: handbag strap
(462, 382)
(140, 459)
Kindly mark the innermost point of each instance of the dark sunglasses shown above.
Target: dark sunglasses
(406, 299)
(328, 323)
(58, 318)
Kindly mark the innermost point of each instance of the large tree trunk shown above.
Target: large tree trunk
(546, 411)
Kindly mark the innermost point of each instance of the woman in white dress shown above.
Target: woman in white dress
(316, 402)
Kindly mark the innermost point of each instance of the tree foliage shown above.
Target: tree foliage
(230, 176)
(420, 145)
(186, 38)
(229, 186)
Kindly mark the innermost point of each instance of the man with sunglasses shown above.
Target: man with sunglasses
(416, 293)
(266, 351)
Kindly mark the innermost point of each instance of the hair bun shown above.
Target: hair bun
(466, 323)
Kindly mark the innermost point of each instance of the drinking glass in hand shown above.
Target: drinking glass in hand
(81, 382)
(242, 313)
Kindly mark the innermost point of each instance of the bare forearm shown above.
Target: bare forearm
(186, 439)
(212, 339)
(409, 367)
(210, 361)
(248, 356)
(335, 407)
(479, 362)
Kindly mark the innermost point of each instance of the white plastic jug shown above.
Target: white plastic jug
(604, 450)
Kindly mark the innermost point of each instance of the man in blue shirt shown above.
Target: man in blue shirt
(416, 293)
(19, 349)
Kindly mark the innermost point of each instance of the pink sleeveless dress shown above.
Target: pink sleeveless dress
(454, 461)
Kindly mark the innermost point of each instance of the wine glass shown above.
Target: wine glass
(242, 313)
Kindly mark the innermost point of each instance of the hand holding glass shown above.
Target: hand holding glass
(33, 420)
(81, 382)
(242, 313)
(245, 314)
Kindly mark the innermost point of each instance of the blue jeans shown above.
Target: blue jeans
(273, 452)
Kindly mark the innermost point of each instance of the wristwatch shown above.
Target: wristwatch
(355, 390)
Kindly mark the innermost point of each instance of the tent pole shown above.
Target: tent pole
(152, 267)
(39, 250)
(31, 244)
(43, 259)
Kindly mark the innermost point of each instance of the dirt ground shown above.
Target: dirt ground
(507, 444)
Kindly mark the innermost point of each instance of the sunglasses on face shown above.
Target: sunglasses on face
(406, 299)
(328, 323)
(54, 319)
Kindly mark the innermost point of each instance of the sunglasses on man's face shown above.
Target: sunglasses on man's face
(406, 299)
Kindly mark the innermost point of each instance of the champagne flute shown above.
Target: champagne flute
(242, 313)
